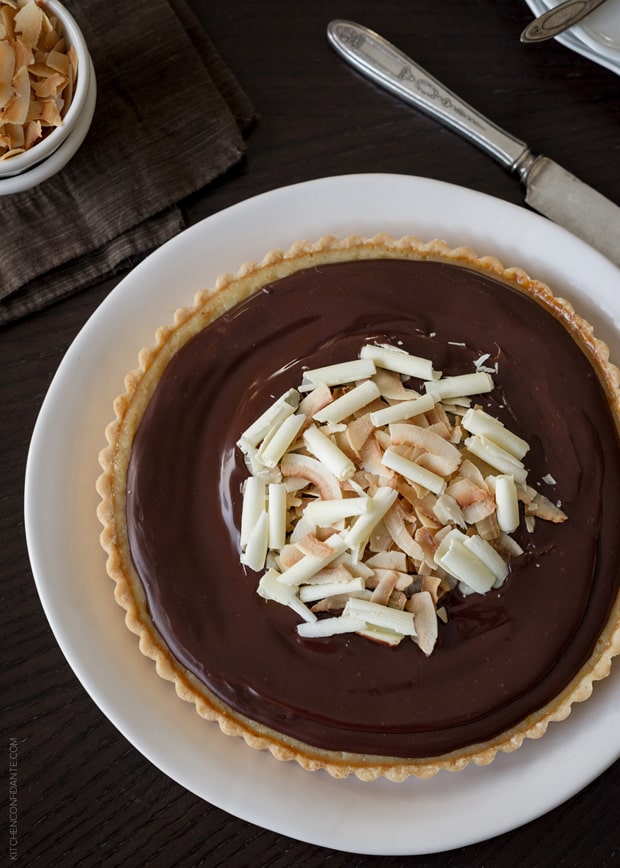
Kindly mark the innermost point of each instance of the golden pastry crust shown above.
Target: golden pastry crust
(130, 406)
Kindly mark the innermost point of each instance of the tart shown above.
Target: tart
(418, 661)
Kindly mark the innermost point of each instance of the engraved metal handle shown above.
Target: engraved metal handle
(377, 58)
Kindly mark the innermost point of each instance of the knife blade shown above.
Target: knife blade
(558, 19)
(550, 189)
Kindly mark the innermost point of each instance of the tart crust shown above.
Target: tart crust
(111, 486)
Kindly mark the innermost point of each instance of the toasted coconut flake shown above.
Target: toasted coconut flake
(36, 77)
(432, 585)
(311, 469)
(28, 22)
(446, 457)
(393, 560)
(386, 584)
(391, 386)
(357, 433)
(395, 524)
(488, 527)
(542, 507)
(315, 400)
(422, 606)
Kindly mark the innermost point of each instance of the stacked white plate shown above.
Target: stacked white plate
(597, 36)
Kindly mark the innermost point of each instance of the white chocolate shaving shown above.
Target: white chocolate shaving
(331, 627)
(400, 361)
(279, 438)
(343, 372)
(277, 515)
(381, 616)
(253, 506)
(311, 593)
(271, 588)
(476, 421)
(457, 559)
(326, 451)
(307, 566)
(284, 406)
(412, 471)
(461, 385)
(258, 543)
(324, 512)
(403, 410)
(507, 503)
(349, 403)
(496, 457)
(358, 536)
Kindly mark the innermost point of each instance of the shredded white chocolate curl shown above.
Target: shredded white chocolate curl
(344, 372)
(258, 543)
(507, 503)
(460, 385)
(277, 515)
(349, 403)
(476, 421)
(310, 564)
(279, 438)
(253, 506)
(369, 504)
(400, 361)
(403, 410)
(496, 457)
(274, 415)
(327, 452)
(331, 627)
(412, 471)
(325, 512)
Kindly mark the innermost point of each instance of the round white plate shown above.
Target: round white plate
(417, 817)
(597, 36)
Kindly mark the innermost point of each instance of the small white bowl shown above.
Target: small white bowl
(20, 164)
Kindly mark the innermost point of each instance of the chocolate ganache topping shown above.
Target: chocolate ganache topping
(500, 656)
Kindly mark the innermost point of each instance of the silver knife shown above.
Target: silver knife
(558, 19)
(551, 190)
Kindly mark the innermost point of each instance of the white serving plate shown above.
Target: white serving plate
(452, 810)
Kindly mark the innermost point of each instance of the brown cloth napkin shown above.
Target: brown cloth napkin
(169, 119)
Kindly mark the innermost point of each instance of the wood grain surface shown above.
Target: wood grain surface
(85, 795)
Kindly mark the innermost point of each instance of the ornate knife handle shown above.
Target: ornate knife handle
(386, 65)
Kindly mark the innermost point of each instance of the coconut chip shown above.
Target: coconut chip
(379, 514)
(37, 75)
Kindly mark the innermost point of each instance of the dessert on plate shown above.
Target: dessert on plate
(359, 503)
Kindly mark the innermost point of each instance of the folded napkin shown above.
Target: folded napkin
(170, 118)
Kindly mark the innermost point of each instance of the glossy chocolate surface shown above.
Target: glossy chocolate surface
(501, 656)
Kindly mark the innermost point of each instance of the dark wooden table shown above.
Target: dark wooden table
(85, 795)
